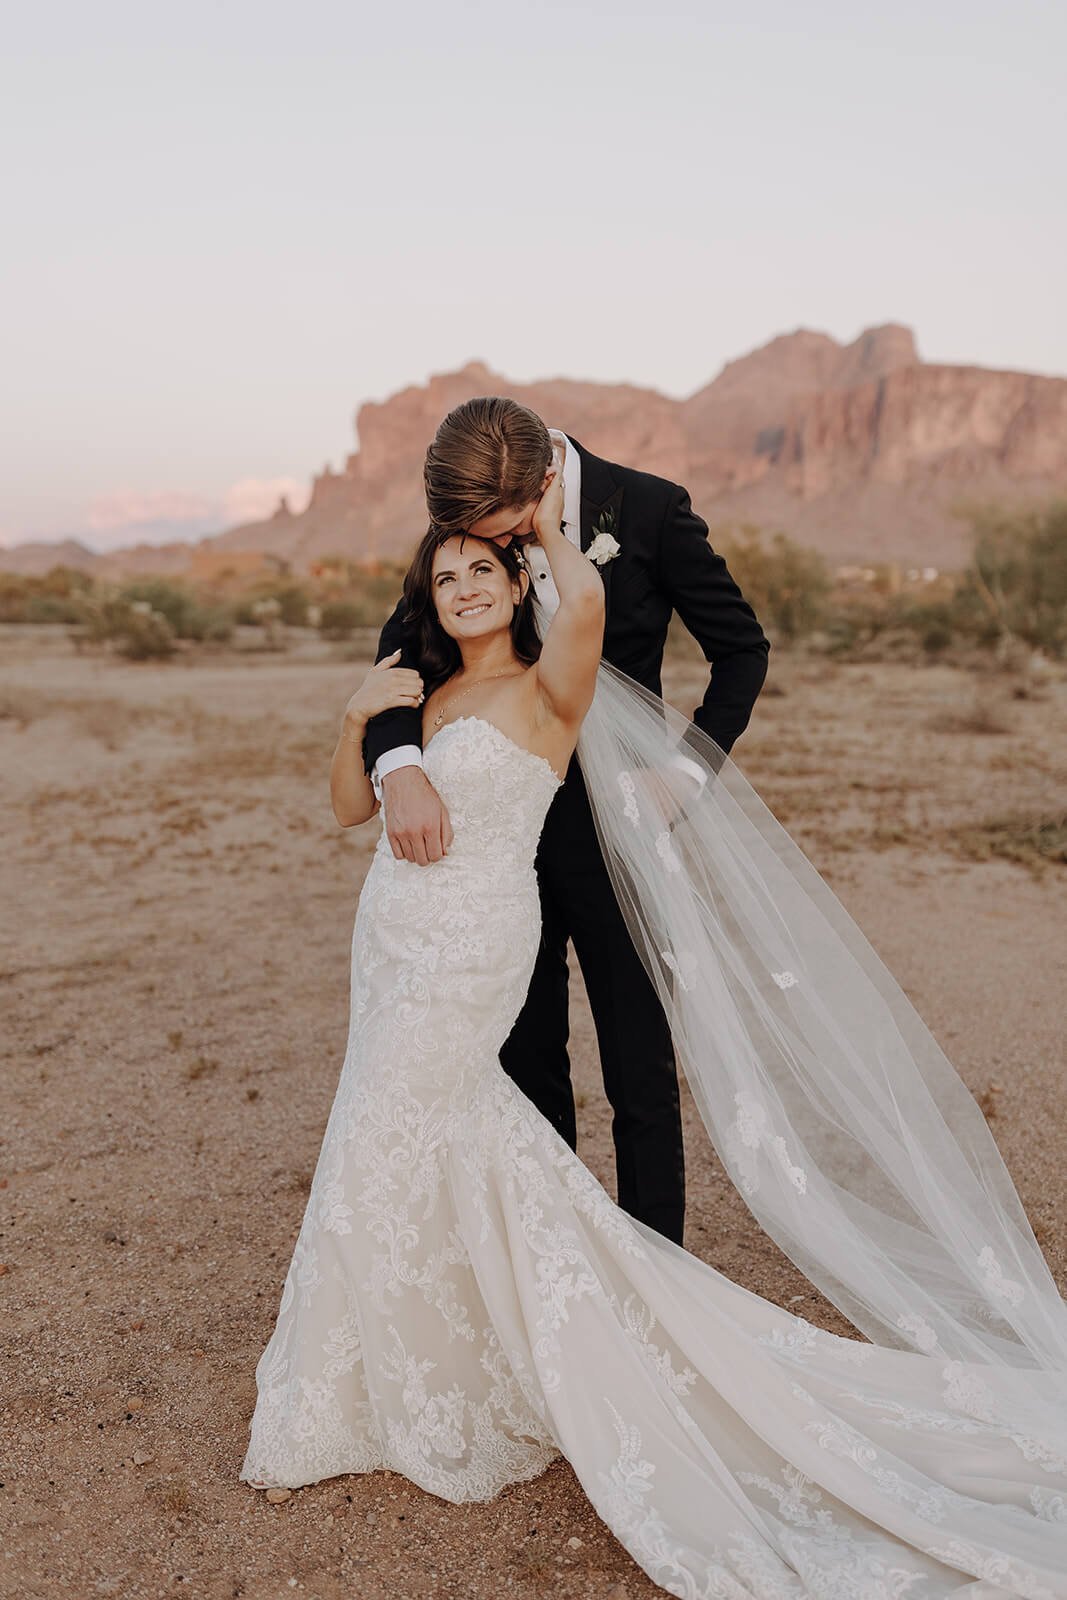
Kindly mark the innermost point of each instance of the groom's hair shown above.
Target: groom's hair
(488, 455)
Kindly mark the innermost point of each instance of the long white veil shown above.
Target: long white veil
(853, 1140)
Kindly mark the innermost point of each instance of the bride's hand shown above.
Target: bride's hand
(385, 686)
(549, 514)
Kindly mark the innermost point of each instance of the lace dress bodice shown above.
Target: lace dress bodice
(443, 954)
(497, 794)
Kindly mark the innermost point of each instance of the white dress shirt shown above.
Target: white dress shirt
(544, 585)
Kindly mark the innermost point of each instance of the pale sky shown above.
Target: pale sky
(229, 225)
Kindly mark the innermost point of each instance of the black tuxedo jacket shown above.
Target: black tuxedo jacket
(665, 564)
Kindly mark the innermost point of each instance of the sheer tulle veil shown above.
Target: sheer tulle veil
(849, 1133)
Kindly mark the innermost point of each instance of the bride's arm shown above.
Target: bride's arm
(570, 655)
(385, 686)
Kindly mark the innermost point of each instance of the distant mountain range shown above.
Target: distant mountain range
(857, 450)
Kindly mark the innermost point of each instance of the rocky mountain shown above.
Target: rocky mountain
(39, 556)
(860, 450)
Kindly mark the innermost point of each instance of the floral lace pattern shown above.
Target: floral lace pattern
(464, 1302)
(630, 809)
(682, 965)
(996, 1280)
(750, 1134)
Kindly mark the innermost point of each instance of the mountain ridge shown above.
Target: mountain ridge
(859, 449)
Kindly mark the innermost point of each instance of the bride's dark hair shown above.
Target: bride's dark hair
(437, 652)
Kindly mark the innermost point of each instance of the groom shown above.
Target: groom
(485, 473)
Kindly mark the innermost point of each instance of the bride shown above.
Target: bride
(465, 1302)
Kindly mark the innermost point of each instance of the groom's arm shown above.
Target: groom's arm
(698, 584)
(417, 823)
(394, 738)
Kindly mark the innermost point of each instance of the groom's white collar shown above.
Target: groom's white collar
(572, 485)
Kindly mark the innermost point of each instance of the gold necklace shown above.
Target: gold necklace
(440, 717)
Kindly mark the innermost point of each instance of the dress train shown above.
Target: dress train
(465, 1302)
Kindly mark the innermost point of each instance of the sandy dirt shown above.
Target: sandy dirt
(178, 911)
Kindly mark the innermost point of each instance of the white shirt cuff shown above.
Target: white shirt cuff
(684, 764)
(405, 755)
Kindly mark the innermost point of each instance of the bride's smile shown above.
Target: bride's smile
(472, 592)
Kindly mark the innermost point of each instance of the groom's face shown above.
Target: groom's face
(514, 522)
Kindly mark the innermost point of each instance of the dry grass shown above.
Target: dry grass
(1036, 842)
(983, 715)
(174, 1496)
(109, 720)
(22, 706)
(202, 1067)
(988, 1101)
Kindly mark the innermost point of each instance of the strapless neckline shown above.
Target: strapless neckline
(505, 738)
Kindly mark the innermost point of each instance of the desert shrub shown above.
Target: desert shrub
(378, 591)
(787, 585)
(188, 617)
(257, 606)
(1015, 587)
(1033, 841)
(50, 608)
(931, 623)
(145, 636)
(54, 596)
(211, 624)
(132, 627)
(854, 623)
(337, 618)
(369, 590)
(292, 601)
(266, 614)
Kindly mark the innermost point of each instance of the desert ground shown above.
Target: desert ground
(178, 908)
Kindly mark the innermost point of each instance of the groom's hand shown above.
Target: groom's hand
(517, 539)
(417, 821)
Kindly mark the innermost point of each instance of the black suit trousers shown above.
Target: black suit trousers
(636, 1053)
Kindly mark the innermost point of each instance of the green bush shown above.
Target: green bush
(49, 608)
(145, 636)
(187, 616)
(1016, 585)
(338, 618)
(854, 623)
(931, 622)
(132, 627)
(787, 585)
(56, 596)
(292, 600)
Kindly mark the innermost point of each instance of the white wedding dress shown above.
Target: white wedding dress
(465, 1301)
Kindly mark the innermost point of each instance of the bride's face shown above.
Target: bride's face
(472, 592)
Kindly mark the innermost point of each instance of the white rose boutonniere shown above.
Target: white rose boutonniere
(605, 547)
